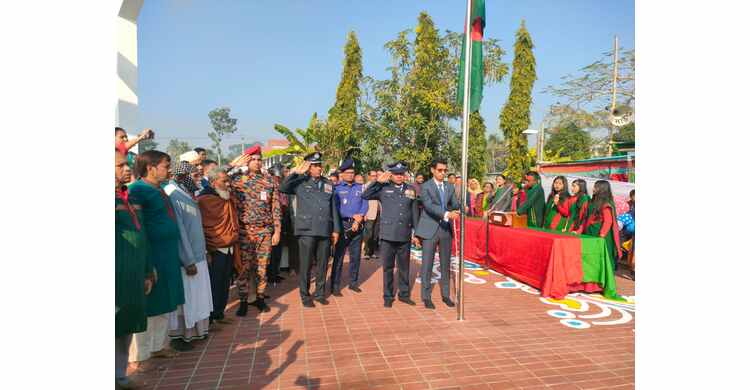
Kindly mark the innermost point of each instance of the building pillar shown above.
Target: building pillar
(126, 109)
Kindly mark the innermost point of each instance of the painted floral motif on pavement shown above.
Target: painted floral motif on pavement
(576, 310)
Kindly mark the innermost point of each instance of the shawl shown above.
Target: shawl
(122, 193)
(221, 224)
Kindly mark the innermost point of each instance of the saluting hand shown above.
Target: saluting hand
(239, 161)
(302, 168)
(384, 177)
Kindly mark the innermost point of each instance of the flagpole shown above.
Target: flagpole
(464, 161)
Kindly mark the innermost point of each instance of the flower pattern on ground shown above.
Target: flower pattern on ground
(576, 310)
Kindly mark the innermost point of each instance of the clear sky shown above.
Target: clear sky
(279, 61)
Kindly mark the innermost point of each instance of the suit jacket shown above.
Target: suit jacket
(316, 213)
(399, 215)
(433, 211)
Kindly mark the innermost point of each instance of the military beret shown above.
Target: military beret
(255, 149)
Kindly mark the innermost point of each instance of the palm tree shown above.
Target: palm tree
(300, 144)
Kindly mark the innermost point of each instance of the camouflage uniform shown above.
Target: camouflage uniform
(260, 215)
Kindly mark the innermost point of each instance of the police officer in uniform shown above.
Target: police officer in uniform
(398, 220)
(352, 209)
(316, 223)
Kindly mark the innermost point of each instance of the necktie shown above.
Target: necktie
(442, 195)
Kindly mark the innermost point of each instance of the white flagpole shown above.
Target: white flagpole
(464, 161)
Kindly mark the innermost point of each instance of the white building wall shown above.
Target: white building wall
(126, 110)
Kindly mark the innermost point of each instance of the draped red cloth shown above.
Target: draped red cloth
(547, 261)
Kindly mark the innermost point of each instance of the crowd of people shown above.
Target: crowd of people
(186, 230)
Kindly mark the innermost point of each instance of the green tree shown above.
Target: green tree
(413, 106)
(515, 116)
(427, 98)
(625, 133)
(407, 116)
(175, 148)
(569, 141)
(223, 125)
(477, 165)
(342, 128)
(492, 53)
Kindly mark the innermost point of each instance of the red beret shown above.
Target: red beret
(253, 150)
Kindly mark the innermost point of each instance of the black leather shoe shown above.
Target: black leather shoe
(355, 289)
(242, 310)
(337, 293)
(448, 302)
(429, 305)
(322, 301)
(260, 303)
(388, 303)
(407, 301)
(308, 303)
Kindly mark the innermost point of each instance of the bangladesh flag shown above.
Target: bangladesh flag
(477, 64)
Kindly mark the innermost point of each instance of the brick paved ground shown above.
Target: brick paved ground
(510, 339)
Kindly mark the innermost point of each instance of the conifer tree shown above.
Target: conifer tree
(516, 114)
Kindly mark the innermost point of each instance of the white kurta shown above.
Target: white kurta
(190, 320)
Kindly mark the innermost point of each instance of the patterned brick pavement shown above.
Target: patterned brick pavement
(511, 339)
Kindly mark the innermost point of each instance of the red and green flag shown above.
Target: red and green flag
(477, 64)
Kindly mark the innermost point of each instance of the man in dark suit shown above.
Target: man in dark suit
(398, 220)
(439, 208)
(316, 223)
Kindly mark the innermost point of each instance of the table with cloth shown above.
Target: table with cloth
(555, 263)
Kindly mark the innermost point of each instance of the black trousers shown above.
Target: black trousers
(220, 272)
(292, 245)
(354, 246)
(444, 240)
(395, 253)
(310, 248)
(370, 236)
